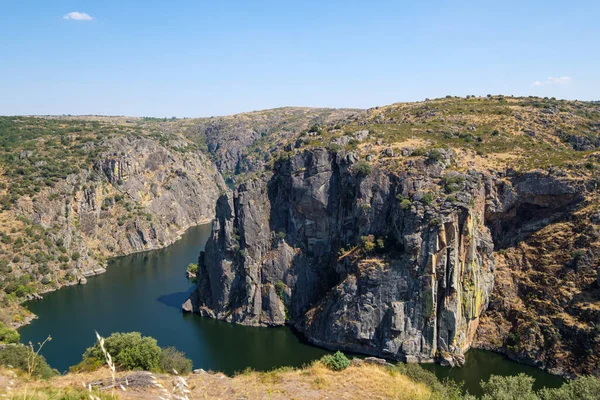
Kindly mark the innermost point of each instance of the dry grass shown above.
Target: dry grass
(314, 382)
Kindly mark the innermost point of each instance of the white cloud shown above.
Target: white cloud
(77, 16)
(553, 80)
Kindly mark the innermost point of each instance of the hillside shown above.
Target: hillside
(76, 192)
(384, 233)
(411, 231)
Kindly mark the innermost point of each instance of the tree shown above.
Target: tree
(8, 335)
(130, 351)
(509, 388)
(336, 362)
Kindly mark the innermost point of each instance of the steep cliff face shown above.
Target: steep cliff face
(348, 259)
(139, 195)
(243, 142)
(387, 264)
(545, 308)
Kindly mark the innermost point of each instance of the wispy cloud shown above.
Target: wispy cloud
(78, 16)
(553, 80)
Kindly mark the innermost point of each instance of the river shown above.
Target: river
(143, 292)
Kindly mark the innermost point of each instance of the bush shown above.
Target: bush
(584, 388)
(362, 168)
(129, 351)
(405, 204)
(280, 289)
(453, 183)
(427, 198)
(367, 243)
(509, 387)
(16, 356)
(132, 351)
(336, 362)
(172, 360)
(193, 269)
(315, 129)
(8, 335)
(433, 157)
(4, 267)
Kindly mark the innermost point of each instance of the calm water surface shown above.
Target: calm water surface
(144, 292)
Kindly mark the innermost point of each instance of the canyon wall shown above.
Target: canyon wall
(379, 263)
(139, 195)
(336, 252)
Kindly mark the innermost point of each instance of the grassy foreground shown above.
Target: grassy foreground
(313, 382)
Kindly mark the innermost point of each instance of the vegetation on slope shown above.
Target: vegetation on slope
(483, 133)
(493, 132)
(53, 165)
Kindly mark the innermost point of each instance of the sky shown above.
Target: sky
(203, 58)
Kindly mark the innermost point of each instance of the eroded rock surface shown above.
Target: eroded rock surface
(139, 195)
(383, 263)
(295, 246)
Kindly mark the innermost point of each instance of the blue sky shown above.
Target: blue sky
(201, 58)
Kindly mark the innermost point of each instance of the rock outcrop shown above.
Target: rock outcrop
(544, 307)
(232, 139)
(385, 263)
(334, 251)
(139, 195)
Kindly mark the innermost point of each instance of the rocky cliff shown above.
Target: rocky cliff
(545, 308)
(344, 256)
(242, 143)
(138, 192)
(385, 237)
(409, 231)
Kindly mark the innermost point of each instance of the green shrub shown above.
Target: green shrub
(173, 360)
(334, 147)
(132, 351)
(8, 335)
(433, 156)
(362, 168)
(427, 198)
(192, 268)
(367, 243)
(405, 204)
(4, 267)
(16, 356)
(315, 129)
(418, 152)
(509, 388)
(280, 289)
(129, 351)
(584, 388)
(336, 362)
(453, 183)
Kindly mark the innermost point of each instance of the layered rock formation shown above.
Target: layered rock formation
(335, 251)
(544, 309)
(139, 195)
(385, 263)
(242, 143)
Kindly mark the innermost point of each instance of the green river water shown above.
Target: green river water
(143, 292)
